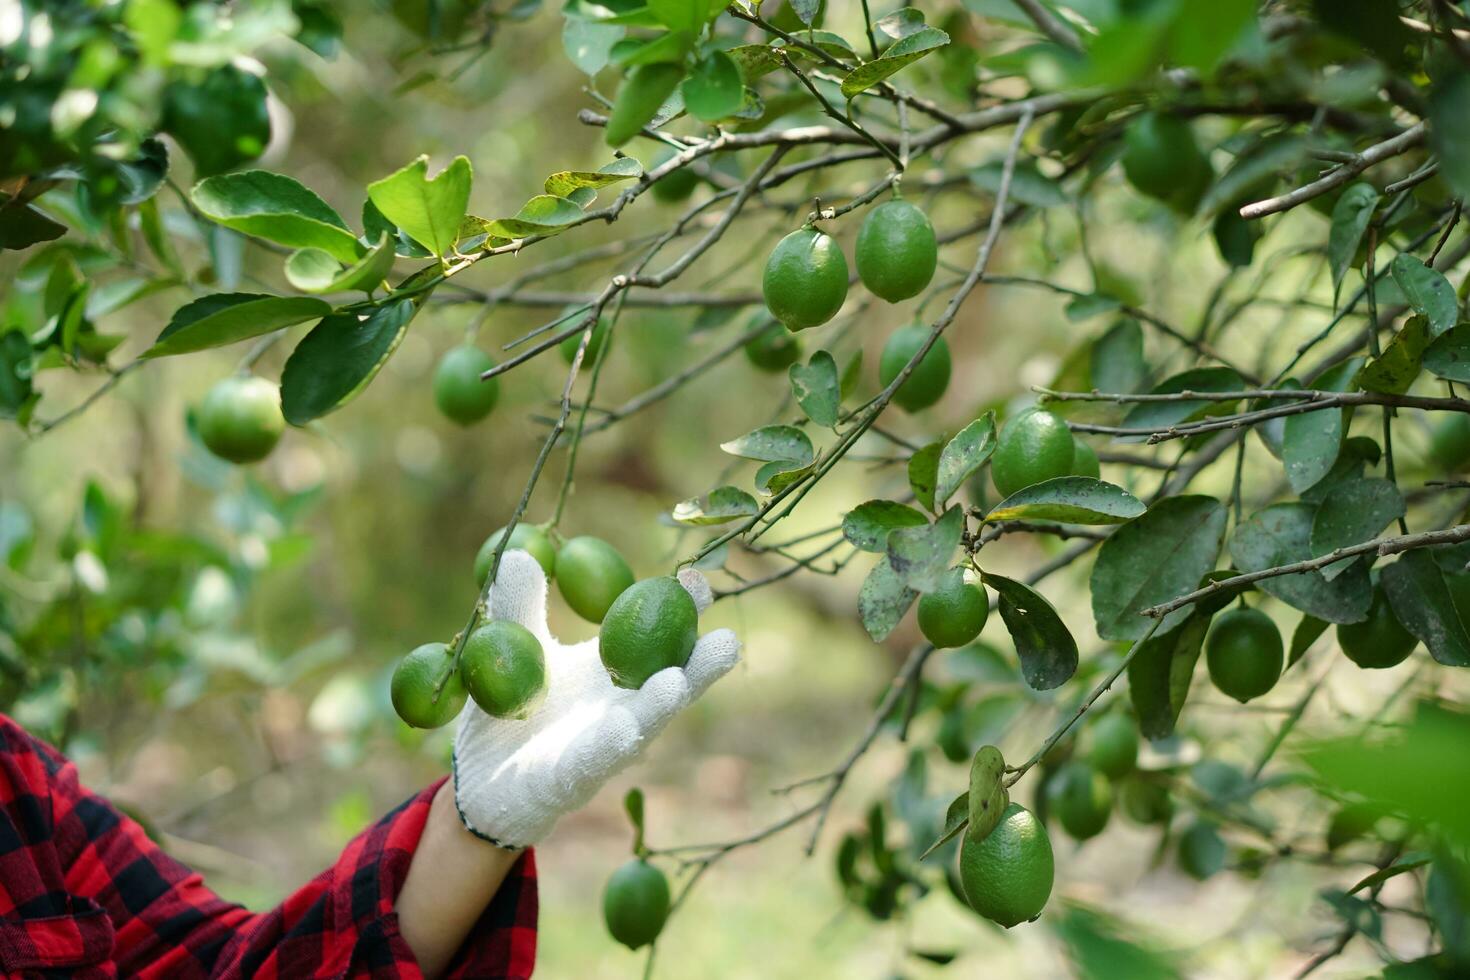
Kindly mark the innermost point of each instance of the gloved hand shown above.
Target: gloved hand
(514, 778)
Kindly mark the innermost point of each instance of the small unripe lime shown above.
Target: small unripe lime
(504, 669)
(1449, 443)
(676, 186)
(458, 391)
(413, 684)
(805, 282)
(1081, 798)
(955, 613)
(930, 377)
(591, 574)
(526, 537)
(569, 346)
(653, 625)
(1114, 748)
(1162, 159)
(1147, 801)
(1201, 851)
(1007, 875)
(1244, 654)
(635, 903)
(1378, 641)
(774, 349)
(240, 419)
(896, 251)
(1084, 460)
(1032, 447)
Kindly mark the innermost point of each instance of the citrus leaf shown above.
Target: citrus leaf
(1448, 103)
(639, 99)
(313, 271)
(1420, 597)
(899, 56)
(1160, 673)
(713, 89)
(544, 214)
(866, 526)
(564, 182)
(276, 208)
(428, 209)
(1161, 415)
(817, 388)
(684, 15)
(956, 818)
(1154, 558)
(921, 555)
(773, 443)
(1281, 534)
(1028, 184)
(339, 358)
(962, 456)
(1395, 369)
(1045, 645)
(1351, 513)
(633, 807)
(1117, 362)
(1448, 356)
(719, 506)
(1071, 500)
(224, 318)
(883, 600)
(1428, 292)
(1350, 217)
(988, 797)
(1311, 441)
(923, 472)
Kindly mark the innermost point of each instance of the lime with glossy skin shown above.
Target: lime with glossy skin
(1449, 443)
(805, 282)
(674, 187)
(240, 419)
(1081, 798)
(1162, 159)
(654, 624)
(1380, 640)
(1114, 749)
(1007, 875)
(774, 349)
(635, 903)
(590, 574)
(414, 680)
(1244, 653)
(955, 613)
(504, 669)
(528, 538)
(458, 391)
(569, 346)
(1032, 447)
(1146, 801)
(896, 251)
(1084, 460)
(1201, 851)
(930, 377)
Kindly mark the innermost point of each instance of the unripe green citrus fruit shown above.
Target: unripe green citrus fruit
(240, 419)
(591, 574)
(1201, 851)
(774, 349)
(504, 669)
(458, 391)
(674, 187)
(1244, 654)
(896, 251)
(1081, 798)
(1146, 801)
(955, 613)
(1032, 447)
(805, 281)
(1378, 641)
(1007, 875)
(1449, 444)
(569, 346)
(526, 537)
(635, 903)
(414, 680)
(652, 625)
(1084, 460)
(1162, 159)
(930, 376)
(1114, 745)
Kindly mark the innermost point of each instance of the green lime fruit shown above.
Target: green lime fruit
(526, 537)
(1114, 748)
(1378, 641)
(1146, 801)
(635, 903)
(1201, 851)
(1084, 460)
(1162, 159)
(676, 186)
(458, 391)
(805, 281)
(1449, 443)
(774, 349)
(953, 614)
(652, 625)
(240, 419)
(1032, 447)
(591, 574)
(569, 346)
(413, 684)
(1244, 654)
(1081, 798)
(1007, 875)
(930, 377)
(896, 251)
(504, 669)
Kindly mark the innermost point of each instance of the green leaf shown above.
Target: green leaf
(988, 797)
(1395, 369)
(778, 474)
(23, 226)
(962, 456)
(1162, 415)
(1154, 558)
(817, 388)
(278, 209)
(544, 214)
(1428, 292)
(683, 15)
(1160, 673)
(1046, 648)
(313, 271)
(719, 506)
(713, 89)
(924, 473)
(883, 600)
(633, 807)
(1409, 862)
(866, 526)
(1449, 103)
(1071, 500)
(1093, 304)
(564, 182)
(1028, 184)
(1350, 217)
(221, 120)
(1280, 535)
(1306, 633)
(1254, 171)
(806, 10)
(1351, 513)
(956, 819)
(428, 210)
(921, 555)
(589, 44)
(772, 443)
(755, 60)
(1100, 944)
(639, 98)
(1117, 363)
(339, 358)
(1448, 356)
(224, 318)
(899, 56)
(1311, 441)
(1420, 597)
(671, 47)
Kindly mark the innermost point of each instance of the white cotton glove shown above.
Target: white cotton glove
(514, 778)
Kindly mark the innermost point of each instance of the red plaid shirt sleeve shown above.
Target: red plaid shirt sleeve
(85, 893)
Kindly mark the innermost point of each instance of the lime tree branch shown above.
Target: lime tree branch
(1375, 154)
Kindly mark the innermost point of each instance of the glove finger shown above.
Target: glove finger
(715, 653)
(659, 699)
(600, 750)
(698, 588)
(519, 592)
